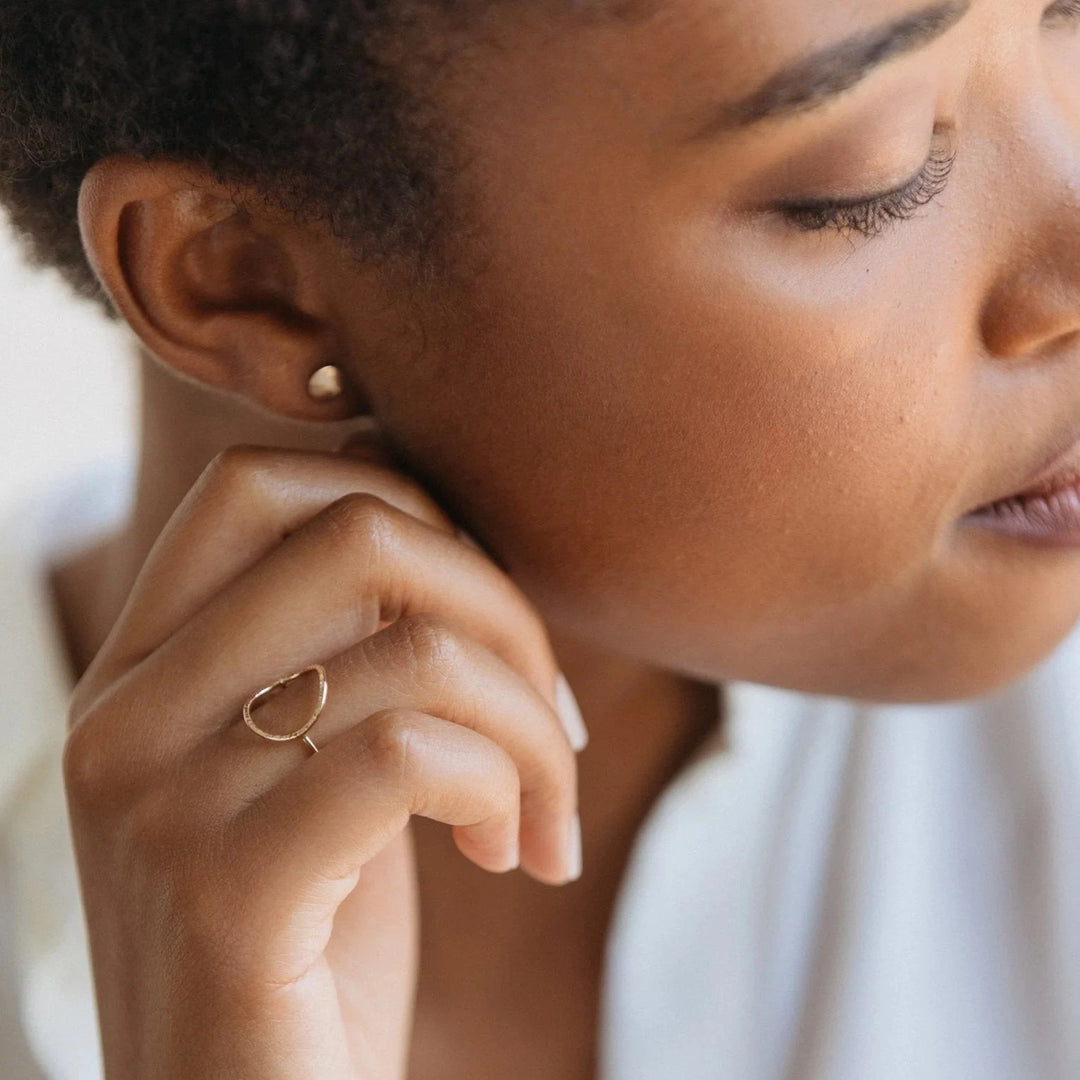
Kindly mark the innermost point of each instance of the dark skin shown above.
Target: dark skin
(706, 443)
(462, 975)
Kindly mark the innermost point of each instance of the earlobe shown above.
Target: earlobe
(221, 295)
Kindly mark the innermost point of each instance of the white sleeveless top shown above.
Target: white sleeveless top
(830, 891)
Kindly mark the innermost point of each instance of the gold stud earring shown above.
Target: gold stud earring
(325, 383)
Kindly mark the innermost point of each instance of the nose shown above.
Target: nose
(1032, 309)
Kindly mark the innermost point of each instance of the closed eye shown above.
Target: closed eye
(869, 215)
(1061, 12)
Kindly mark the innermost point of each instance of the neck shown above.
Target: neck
(182, 426)
(643, 722)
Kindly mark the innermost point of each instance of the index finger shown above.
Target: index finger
(245, 502)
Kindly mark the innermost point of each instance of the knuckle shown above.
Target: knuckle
(105, 765)
(361, 519)
(410, 496)
(393, 743)
(87, 764)
(429, 643)
(235, 470)
(235, 461)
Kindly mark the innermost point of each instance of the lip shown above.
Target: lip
(1045, 508)
(1058, 473)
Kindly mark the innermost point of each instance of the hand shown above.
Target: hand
(251, 905)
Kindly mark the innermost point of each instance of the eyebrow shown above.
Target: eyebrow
(815, 79)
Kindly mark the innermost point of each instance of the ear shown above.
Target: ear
(223, 290)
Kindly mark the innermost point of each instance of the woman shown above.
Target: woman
(745, 339)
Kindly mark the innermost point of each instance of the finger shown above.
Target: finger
(419, 663)
(335, 811)
(356, 564)
(243, 504)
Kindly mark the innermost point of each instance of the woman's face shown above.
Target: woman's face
(701, 422)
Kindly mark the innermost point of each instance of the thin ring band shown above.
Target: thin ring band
(300, 732)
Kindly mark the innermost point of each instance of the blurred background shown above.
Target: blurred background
(66, 379)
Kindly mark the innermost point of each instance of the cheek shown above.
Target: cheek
(692, 434)
(835, 412)
(691, 464)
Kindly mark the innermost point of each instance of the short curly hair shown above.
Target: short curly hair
(306, 100)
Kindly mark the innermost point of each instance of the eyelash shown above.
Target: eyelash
(870, 216)
(1064, 9)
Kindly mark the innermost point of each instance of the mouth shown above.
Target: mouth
(1045, 509)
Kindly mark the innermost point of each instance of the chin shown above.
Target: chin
(972, 628)
(965, 669)
(946, 660)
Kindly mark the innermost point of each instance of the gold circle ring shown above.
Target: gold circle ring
(300, 732)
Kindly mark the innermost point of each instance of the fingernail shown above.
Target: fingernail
(570, 714)
(573, 849)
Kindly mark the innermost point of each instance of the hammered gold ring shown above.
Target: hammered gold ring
(300, 732)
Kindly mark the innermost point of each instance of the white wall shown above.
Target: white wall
(66, 379)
